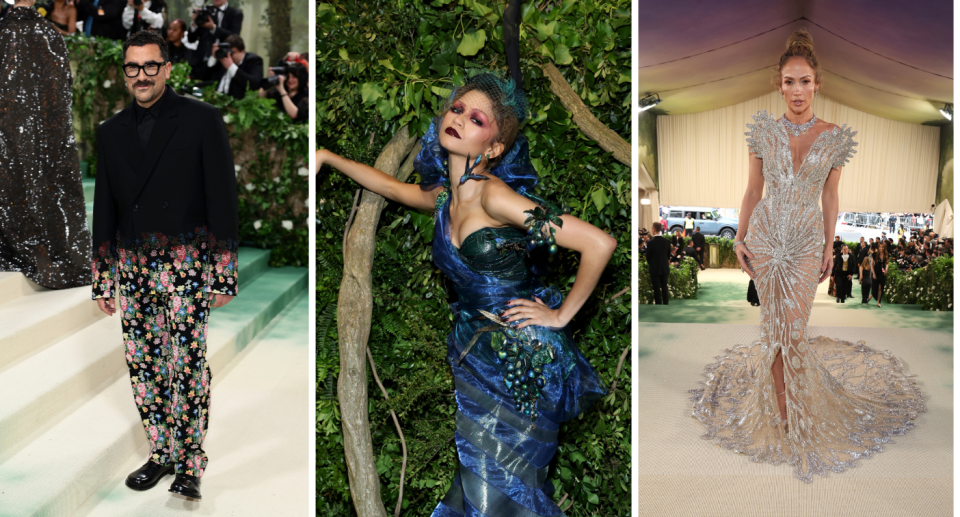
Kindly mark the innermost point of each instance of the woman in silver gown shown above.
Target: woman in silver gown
(43, 221)
(817, 404)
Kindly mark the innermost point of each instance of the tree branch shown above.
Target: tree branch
(354, 312)
(609, 140)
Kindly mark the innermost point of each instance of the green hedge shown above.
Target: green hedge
(270, 151)
(681, 283)
(931, 286)
(383, 64)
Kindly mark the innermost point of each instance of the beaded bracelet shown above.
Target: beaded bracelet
(735, 243)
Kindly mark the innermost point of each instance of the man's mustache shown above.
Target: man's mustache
(143, 83)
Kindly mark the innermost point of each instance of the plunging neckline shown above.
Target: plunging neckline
(803, 162)
(471, 234)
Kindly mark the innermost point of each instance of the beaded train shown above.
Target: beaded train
(844, 400)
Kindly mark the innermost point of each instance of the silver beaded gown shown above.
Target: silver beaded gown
(844, 400)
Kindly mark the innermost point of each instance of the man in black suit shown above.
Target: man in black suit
(699, 244)
(658, 260)
(227, 21)
(239, 71)
(843, 273)
(102, 18)
(856, 257)
(165, 239)
(836, 245)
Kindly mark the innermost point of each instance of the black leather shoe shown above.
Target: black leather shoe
(187, 486)
(147, 476)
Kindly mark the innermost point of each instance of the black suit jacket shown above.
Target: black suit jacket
(231, 23)
(838, 266)
(178, 192)
(699, 241)
(108, 25)
(658, 255)
(248, 76)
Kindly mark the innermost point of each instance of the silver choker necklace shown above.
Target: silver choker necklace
(798, 129)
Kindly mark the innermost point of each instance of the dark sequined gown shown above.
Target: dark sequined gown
(513, 388)
(844, 400)
(43, 223)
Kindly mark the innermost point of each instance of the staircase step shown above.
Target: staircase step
(252, 263)
(41, 318)
(14, 285)
(271, 381)
(58, 470)
(44, 316)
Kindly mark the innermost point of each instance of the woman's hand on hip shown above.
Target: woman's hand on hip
(532, 312)
(826, 270)
(743, 255)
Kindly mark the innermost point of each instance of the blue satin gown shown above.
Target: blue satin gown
(513, 388)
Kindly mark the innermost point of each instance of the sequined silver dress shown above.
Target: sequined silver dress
(844, 400)
(43, 222)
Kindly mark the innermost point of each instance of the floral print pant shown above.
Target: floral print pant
(164, 337)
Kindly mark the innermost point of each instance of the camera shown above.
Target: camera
(287, 69)
(221, 53)
(207, 12)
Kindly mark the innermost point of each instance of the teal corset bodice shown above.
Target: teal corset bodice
(496, 252)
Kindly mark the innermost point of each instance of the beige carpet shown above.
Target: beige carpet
(680, 474)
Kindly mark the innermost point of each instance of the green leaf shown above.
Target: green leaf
(370, 92)
(592, 498)
(472, 42)
(561, 55)
(343, 55)
(600, 199)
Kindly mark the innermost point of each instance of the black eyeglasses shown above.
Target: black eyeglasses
(151, 68)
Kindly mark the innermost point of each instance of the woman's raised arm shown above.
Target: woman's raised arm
(595, 247)
(379, 182)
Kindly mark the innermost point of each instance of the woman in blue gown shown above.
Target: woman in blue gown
(517, 372)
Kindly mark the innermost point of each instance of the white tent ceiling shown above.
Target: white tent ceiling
(889, 58)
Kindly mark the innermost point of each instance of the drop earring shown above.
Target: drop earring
(781, 94)
(816, 93)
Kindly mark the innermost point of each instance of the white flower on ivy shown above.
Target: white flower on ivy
(302, 171)
(257, 224)
(287, 224)
(236, 168)
(227, 119)
(107, 83)
(251, 186)
(277, 179)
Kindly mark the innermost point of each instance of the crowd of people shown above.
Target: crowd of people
(663, 252)
(210, 44)
(865, 264)
(868, 261)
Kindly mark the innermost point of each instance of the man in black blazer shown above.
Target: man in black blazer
(165, 239)
(215, 29)
(699, 244)
(239, 71)
(856, 257)
(105, 19)
(658, 260)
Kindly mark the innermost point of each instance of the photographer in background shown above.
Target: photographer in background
(102, 18)
(140, 15)
(289, 91)
(212, 24)
(239, 70)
